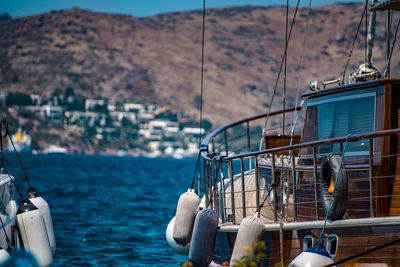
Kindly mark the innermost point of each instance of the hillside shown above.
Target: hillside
(157, 59)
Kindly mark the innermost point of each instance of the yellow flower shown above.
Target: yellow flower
(246, 248)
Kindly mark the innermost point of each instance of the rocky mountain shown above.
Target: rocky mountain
(157, 59)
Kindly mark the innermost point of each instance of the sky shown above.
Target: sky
(140, 8)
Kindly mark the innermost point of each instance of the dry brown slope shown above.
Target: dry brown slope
(157, 59)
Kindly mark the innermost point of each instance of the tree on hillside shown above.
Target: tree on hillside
(18, 99)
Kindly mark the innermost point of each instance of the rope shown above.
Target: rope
(280, 69)
(391, 243)
(13, 182)
(302, 51)
(391, 49)
(215, 179)
(346, 66)
(4, 121)
(2, 158)
(10, 246)
(285, 71)
(273, 186)
(202, 70)
(195, 170)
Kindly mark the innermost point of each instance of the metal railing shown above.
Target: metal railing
(286, 179)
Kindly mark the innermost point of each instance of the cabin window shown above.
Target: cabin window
(308, 242)
(339, 117)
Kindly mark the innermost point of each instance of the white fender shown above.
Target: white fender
(11, 208)
(251, 230)
(171, 241)
(3, 255)
(202, 204)
(44, 208)
(33, 234)
(186, 210)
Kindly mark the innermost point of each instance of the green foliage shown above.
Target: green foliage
(207, 125)
(5, 16)
(254, 255)
(77, 103)
(18, 99)
(69, 91)
(100, 108)
(167, 116)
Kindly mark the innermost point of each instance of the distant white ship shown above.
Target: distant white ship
(22, 142)
(56, 150)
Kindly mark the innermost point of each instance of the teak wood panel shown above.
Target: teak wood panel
(395, 202)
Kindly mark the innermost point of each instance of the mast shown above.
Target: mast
(371, 34)
(388, 37)
(387, 6)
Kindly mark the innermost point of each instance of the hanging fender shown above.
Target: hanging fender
(32, 233)
(44, 208)
(333, 179)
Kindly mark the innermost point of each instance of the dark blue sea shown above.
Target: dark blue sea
(109, 211)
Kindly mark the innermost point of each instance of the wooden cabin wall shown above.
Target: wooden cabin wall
(395, 200)
(381, 185)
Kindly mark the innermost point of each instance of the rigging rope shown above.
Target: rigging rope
(2, 158)
(202, 69)
(346, 66)
(280, 70)
(391, 50)
(212, 192)
(302, 51)
(4, 121)
(285, 71)
(196, 171)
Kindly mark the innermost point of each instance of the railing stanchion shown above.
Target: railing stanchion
(223, 202)
(275, 199)
(226, 142)
(256, 175)
(243, 187)
(294, 183)
(230, 173)
(205, 181)
(216, 192)
(315, 181)
(210, 183)
(370, 174)
(248, 142)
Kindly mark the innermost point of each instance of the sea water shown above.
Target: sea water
(109, 211)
